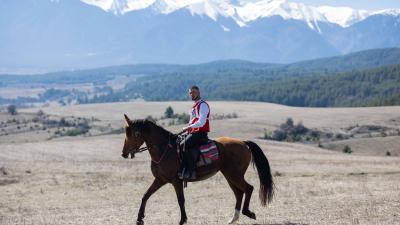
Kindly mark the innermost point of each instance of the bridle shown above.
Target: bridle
(145, 148)
(139, 150)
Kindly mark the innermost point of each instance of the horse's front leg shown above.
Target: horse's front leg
(153, 188)
(178, 185)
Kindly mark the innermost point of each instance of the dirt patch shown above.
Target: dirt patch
(3, 171)
(8, 181)
(6, 178)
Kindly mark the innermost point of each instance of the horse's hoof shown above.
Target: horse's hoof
(235, 217)
(249, 214)
(139, 222)
(182, 222)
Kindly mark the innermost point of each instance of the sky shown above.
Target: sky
(358, 4)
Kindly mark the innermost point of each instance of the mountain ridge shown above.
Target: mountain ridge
(244, 12)
(70, 34)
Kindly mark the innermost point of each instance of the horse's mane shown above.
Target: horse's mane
(145, 123)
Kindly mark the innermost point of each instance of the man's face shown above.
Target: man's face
(194, 94)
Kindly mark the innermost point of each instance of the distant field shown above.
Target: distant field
(83, 180)
(253, 117)
(13, 93)
(374, 76)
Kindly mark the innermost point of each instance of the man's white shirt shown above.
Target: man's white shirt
(203, 112)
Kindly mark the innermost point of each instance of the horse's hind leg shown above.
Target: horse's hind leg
(153, 188)
(239, 182)
(249, 190)
(239, 197)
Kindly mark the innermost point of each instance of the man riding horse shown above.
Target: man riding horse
(199, 126)
(235, 156)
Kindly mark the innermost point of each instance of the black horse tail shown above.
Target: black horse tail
(266, 192)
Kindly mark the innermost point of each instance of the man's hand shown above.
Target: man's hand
(185, 128)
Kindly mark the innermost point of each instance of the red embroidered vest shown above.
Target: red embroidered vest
(195, 117)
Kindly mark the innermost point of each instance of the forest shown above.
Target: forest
(367, 78)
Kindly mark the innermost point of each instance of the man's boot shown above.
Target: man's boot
(191, 166)
(181, 173)
(185, 174)
(182, 167)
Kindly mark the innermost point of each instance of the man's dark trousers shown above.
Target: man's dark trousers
(192, 142)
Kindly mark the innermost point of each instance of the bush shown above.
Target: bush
(183, 118)
(279, 135)
(169, 112)
(224, 116)
(63, 122)
(315, 135)
(40, 113)
(293, 133)
(347, 149)
(300, 129)
(76, 131)
(289, 122)
(152, 119)
(12, 109)
(267, 134)
(118, 131)
(339, 136)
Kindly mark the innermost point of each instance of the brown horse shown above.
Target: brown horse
(235, 157)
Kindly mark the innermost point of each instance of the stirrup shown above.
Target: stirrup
(193, 175)
(187, 175)
(181, 173)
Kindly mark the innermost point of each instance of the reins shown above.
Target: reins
(142, 149)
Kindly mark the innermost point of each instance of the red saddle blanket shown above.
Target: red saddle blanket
(208, 153)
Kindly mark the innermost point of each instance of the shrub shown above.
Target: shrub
(300, 129)
(347, 149)
(183, 118)
(279, 135)
(267, 134)
(76, 131)
(63, 122)
(315, 135)
(224, 116)
(289, 122)
(234, 115)
(120, 130)
(169, 112)
(339, 136)
(12, 109)
(40, 113)
(152, 119)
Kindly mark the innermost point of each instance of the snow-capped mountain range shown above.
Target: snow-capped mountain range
(246, 11)
(91, 33)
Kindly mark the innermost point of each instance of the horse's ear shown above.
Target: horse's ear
(128, 121)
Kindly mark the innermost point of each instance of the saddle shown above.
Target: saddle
(208, 153)
(204, 154)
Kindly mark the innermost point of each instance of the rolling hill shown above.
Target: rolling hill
(358, 79)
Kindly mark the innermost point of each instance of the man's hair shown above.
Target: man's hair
(195, 88)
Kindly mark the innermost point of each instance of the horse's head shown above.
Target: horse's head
(133, 138)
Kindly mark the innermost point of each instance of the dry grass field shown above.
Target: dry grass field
(83, 179)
